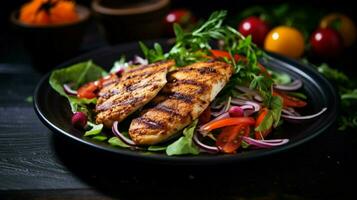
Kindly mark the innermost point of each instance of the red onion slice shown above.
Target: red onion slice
(240, 102)
(207, 148)
(264, 143)
(249, 91)
(69, 90)
(295, 85)
(121, 136)
(306, 117)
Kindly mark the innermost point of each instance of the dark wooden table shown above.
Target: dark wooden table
(37, 164)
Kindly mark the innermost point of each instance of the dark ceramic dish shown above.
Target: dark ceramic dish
(55, 113)
(123, 21)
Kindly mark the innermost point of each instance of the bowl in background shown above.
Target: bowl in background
(123, 20)
(51, 44)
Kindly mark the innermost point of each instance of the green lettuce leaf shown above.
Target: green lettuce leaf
(76, 75)
(95, 129)
(114, 141)
(184, 145)
(157, 148)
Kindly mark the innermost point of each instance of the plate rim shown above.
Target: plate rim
(186, 159)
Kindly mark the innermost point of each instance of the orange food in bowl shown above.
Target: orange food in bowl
(47, 12)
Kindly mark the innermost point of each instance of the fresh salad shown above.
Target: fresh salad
(244, 115)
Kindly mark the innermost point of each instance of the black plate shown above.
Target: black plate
(55, 113)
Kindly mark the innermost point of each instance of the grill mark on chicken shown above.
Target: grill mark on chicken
(144, 74)
(150, 123)
(180, 96)
(187, 94)
(202, 86)
(168, 110)
(135, 89)
(202, 70)
(108, 105)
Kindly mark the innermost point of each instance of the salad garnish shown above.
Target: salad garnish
(244, 114)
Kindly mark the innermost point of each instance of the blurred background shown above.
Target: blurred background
(304, 15)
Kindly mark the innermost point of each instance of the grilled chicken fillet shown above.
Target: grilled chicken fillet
(187, 94)
(135, 88)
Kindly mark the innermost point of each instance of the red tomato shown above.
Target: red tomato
(232, 121)
(326, 42)
(90, 90)
(229, 140)
(289, 101)
(87, 91)
(255, 27)
(183, 17)
(260, 135)
(223, 54)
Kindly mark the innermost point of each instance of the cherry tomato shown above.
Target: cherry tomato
(343, 24)
(255, 27)
(286, 41)
(183, 17)
(87, 91)
(229, 140)
(260, 135)
(326, 42)
(90, 90)
(289, 101)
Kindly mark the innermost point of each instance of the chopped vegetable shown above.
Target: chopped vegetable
(290, 101)
(227, 122)
(229, 140)
(184, 145)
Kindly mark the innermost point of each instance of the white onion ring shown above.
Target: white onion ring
(306, 117)
(69, 90)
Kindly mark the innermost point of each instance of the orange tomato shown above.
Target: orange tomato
(45, 12)
(343, 24)
(286, 41)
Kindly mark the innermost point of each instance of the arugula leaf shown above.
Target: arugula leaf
(267, 122)
(95, 129)
(276, 106)
(280, 78)
(100, 138)
(114, 141)
(184, 145)
(153, 55)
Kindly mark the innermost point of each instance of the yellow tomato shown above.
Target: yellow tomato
(285, 40)
(343, 24)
